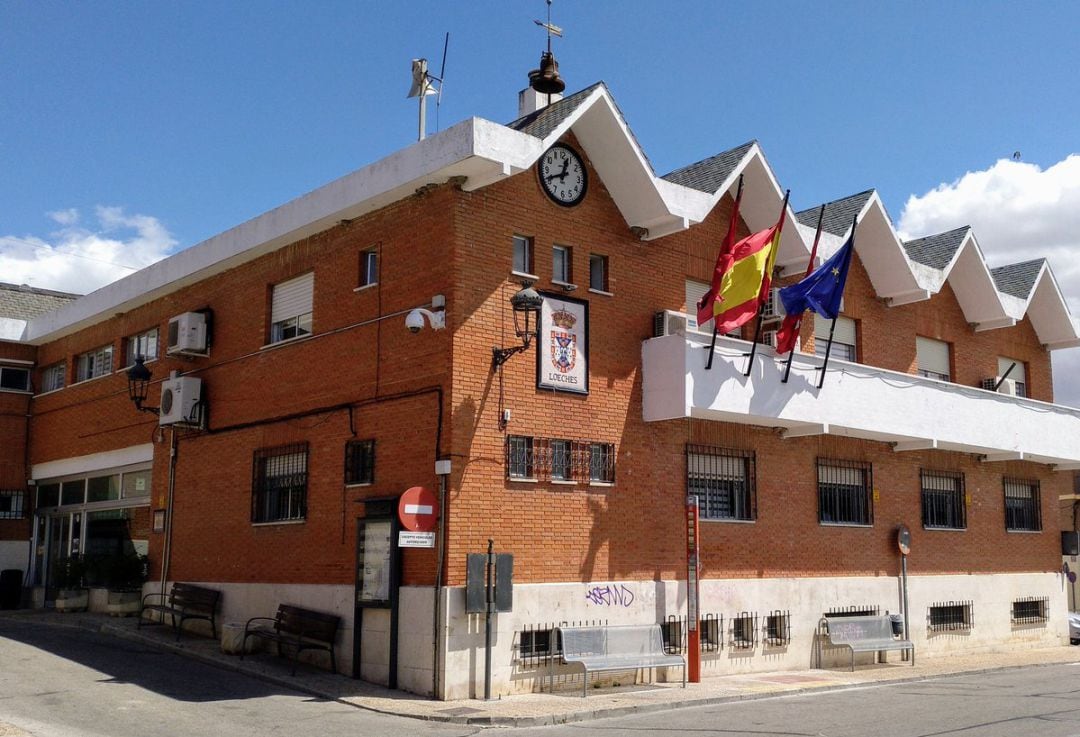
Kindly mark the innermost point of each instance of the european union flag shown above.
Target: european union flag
(822, 289)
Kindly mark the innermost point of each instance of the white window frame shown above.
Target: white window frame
(291, 308)
(598, 274)
(94, 364)
(933, 358)
(369, 267)
(845, 338)
(144, 344)
(561, 264)
(1018, 375)
(9, 370)
(54, 377)
(522, 255)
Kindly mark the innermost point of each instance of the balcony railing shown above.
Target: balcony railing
(910, 412)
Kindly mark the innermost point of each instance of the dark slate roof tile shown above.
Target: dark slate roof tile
(938, 250)
(22, 302)
(542, 122)
(838, 213)
(711, 173)
(1018, 279)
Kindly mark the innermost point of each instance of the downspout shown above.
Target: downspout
(440, 558)
(166, 550)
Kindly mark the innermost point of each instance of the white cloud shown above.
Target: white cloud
(1018, 212)
(81, 259)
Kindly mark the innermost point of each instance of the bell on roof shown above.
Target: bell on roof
(546, 79)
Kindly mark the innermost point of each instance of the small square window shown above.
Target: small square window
(743, 631)
(12, 504)
(519, 457)
(561, 261)
(844, 493)
(1022, 508)
(15, 379)
(598, 273)
(602, 463)
(561, 467)
(943, 500)
(523, 254)
(360, 462)
(369, 267)
(144, 345)
(52, 377)
(95, 363)
(279, 483)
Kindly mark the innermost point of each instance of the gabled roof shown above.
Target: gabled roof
(544, 121)
(838, 213)
(1019, 279)
(710, 174)
(937, 251)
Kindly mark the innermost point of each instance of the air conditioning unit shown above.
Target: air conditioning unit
(774, 306)
(187, 334)
(1004, 386)
(669, 322)
(181, 401)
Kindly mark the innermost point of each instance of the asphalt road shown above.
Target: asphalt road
(61, 682)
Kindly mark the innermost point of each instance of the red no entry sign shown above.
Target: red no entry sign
(417, 509)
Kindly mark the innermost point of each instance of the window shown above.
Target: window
(14, 378)
(602, 463)
(279, 483)
(598, 273)
(950, 616)
(1016, 373)
(722, 479)
(535, 645)
(103, 488)
(932, 358)
(561, 469)
(52, 377)
(709, 630)
(360, 462)
(1030, 610)
(144, 344)
(743, 631)
(844, 493)
(1022, 510)
(843, 338)
(561, 264)
(671, 633)
(778, 629)
(519, 457)
(290, 308)
(943, 500)
(369, 267)
(95, 363)
(12, 504)
(523, 255)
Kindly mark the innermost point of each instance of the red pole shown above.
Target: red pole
(693, 645)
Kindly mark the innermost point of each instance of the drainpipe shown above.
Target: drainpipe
(166, 550)
(442, 468)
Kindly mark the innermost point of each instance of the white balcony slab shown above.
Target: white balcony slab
(855, 401)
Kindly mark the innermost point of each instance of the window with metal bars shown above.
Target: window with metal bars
(1022, 508)
(279, 483)
(12, 504)
(556, 459)
(855, 610)
(671, 632)
(950, 616)
(844, 492)
(360, 462)
(533, 645)
(778, 628)
(1030, 610)
(743, 631)
(723, 480)
(943, 506)
(710, 627)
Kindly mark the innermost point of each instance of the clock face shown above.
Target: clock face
(562, 175)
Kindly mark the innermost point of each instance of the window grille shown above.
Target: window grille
(95, 363)
(672, 633)
(743, 631)
(723, 480)
(559, 460)
(1022, 508)
(279, 483)
(950, 616)
(12, 504)
(778, 628)
(844, 492)
(52, 377)
(710, 628)
(535, 644)
(1030, 610)
(857, 610)
(943, 504)
(360, 462)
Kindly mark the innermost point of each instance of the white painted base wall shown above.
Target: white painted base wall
(13, 554)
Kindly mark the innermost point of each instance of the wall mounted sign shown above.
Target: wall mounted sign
(562, 351)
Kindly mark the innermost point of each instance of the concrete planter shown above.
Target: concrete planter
(72, 600)
(124, 603)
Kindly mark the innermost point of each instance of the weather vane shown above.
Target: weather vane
(546, 79)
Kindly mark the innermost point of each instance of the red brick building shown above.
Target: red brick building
(301, 409)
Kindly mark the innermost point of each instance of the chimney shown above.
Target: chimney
(529, 101)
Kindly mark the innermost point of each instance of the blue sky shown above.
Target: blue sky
(132, 129)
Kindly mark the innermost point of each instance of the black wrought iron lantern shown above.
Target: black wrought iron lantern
(138, 384)
(526, 304)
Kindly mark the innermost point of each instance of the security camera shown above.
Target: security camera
(414, 321)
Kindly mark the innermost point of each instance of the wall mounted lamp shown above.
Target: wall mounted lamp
(138, 383)
(526, 304)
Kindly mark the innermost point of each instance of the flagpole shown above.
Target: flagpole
(771, 259)
(809, 270)
(828, 346)
(733, 226)
(712, 347)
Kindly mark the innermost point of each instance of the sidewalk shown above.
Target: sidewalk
(541, 709)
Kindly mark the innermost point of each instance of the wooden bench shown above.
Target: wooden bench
(298, 628)
(863, 634)
(626, 647)
(186, 601)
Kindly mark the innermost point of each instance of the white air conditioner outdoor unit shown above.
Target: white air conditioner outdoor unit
(774, 306)
(181, 401)
(187, 334)
(669, 322)
(1007, 386)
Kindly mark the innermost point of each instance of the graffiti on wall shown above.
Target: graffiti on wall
(609, 594)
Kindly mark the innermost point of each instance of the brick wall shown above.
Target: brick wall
(14, 408)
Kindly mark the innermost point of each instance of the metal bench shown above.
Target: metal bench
(186, 601)
(301, 629)
(626, 647)
(863, 634)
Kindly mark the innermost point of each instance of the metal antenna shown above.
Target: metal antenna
(442, 78)
(422, 87)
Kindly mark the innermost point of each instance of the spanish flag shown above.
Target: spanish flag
(745, 275)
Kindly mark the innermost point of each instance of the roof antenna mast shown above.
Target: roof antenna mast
(422, 86)
(546, 79)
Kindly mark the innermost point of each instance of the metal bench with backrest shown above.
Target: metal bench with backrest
(862, 634)
(297, 628)
(625, 647)
(184, 601)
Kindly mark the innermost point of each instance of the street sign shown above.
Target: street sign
(408, 539)
(417, 509)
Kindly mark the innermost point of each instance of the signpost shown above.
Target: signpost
(903, 541)
(693, 568)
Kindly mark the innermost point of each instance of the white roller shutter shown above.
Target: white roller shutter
(292, 298)
(844, 333)
(1017, 374)
(932, 355)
